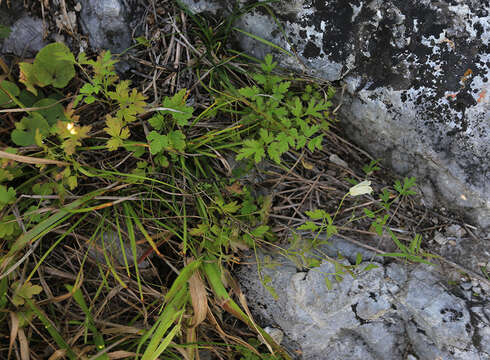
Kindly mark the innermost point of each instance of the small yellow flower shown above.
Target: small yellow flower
(71, 128)
(361, 188)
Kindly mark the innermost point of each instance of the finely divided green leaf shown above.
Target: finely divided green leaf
(251, 148)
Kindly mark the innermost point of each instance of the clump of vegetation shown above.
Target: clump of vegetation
(166, 153)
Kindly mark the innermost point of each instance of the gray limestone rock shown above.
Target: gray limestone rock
(26, 37)
(111, 247)
(416, 75)
(384, 313)
(106, 22)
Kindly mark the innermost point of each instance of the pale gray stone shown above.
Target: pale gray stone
(379, 314)
(484, 334)
(26, 37)
(338, 161)
(455, 230)
(440, 239)
(106, 24)
(115, 249)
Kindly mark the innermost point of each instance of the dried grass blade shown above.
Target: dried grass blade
(58, 354)
(199, 298)
(13, 331)
(30, 159)
(24, 345)
(120, 354)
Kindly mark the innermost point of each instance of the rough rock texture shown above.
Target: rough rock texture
(106, 23)
(26, 37)
(390, 312)
(111, 246)
(416, 75)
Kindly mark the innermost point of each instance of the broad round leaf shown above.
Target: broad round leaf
(53, 113)
(27, 135)
(51, 68)
(12, 89)
(28, 99)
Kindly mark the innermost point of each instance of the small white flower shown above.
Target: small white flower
(71, 128)
(361, 188)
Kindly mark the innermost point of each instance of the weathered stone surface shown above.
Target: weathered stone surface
(106, 22)
(116, 249)
(384, 313)
(416, 78)
(26, 37)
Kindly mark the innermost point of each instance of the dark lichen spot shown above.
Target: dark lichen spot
(311, 50)
(452, 314)
(479, 29)
(354, 310)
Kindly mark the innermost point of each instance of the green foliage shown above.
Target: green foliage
(104, 76)
(24, 291)
(51, 110)
(412, 253)
(286, 120)
(325, 226)
(30, 128)
(104, 86)
(7, 91)
(4, 32)
(7, 196)
(50, 69)
(252, 148)
(116, 129)
(130, 101)
(174, 140)
(407, 188)
(168, 157)
(9, 228)
(371, 167)
(53, 65)
(174, 106)
(38, 125)
(167, 136)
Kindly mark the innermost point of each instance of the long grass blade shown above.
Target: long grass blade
(98, 338)
(132, 242)
(167, 317)
(51, 329)
(263, 41)
(182, 279)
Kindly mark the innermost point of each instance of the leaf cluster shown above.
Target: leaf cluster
(167, 123)
(286, 120)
